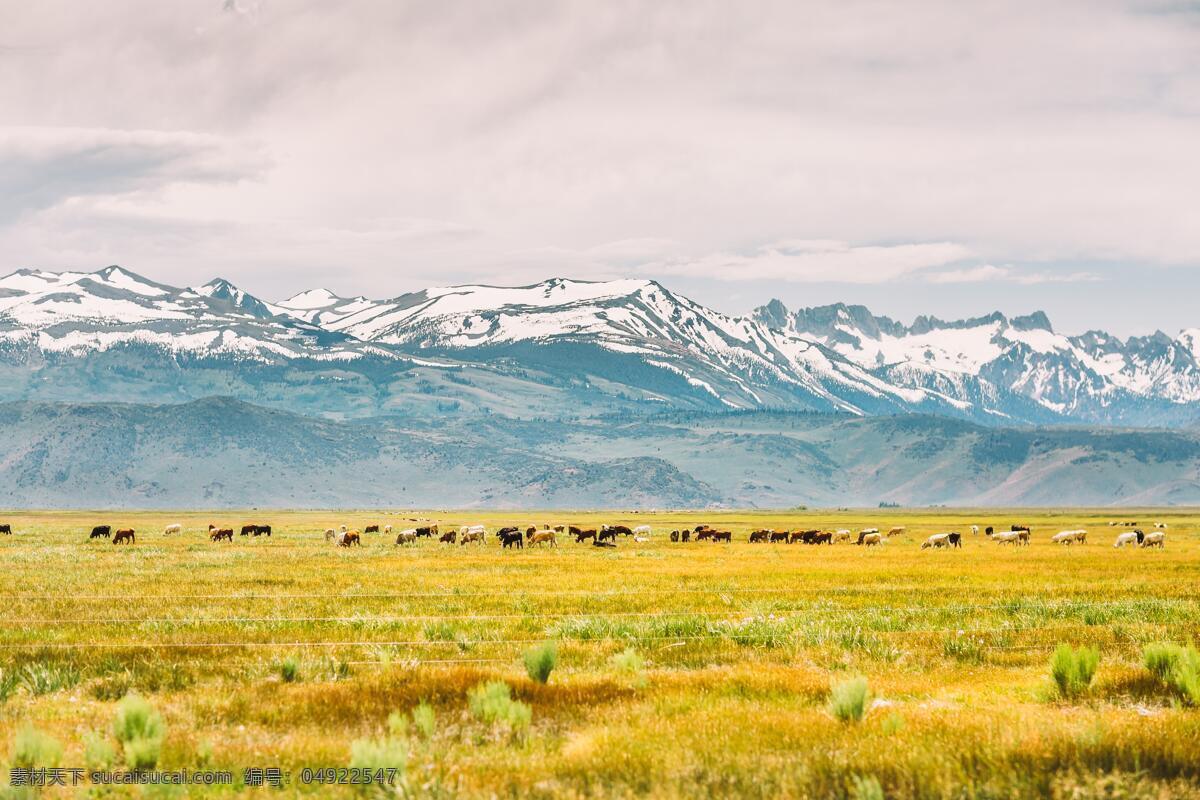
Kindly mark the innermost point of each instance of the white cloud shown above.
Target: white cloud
(962, 135)
(990, 272)
(820, 261)
(42, 167)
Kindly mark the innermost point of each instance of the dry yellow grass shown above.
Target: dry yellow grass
(740, 643)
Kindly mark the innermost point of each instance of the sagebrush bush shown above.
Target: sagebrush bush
(1073, 670)
(492, 703)
(140, 730)
(32, 748)
(540, 661)
(848, 700)
(1176, 667)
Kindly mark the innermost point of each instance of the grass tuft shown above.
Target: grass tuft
(492, 703)
(1073, 670)
(289, 669)
(848, 700)
(1176, 667)
(540, 661)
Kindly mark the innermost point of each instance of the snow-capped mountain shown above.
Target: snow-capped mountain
(737, 362)
(74, 312)
(1092, 377)
(569, 348)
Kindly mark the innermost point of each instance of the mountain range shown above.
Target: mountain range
(119, 390)
(568, 348)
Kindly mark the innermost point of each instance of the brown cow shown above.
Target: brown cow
(582, 535)
(371, 529)
(760, 536)
(473, 536)
(605, 533)
(542, 537)
(779, 536)
(123, 535)
(624, 530)
(722, 536)
(448, 537)
(703, 534)
(802, 536)
(350, 538)
(217, 534)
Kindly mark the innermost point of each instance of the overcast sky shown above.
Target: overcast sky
(940, 157)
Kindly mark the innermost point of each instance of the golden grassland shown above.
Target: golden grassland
(738, 646)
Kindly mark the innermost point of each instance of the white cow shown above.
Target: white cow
(174, 527)
(974, 530)
(936, 541)
(1131, 537)
(641, 530)
(1154, 539)
(1160, 525)
(1070, 537)
(408, 536)
(842, 535)
(1007, 537)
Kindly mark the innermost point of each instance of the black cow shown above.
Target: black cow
(101, 531)
(6, 529)
(598, 543)
(605, 533)
(511, 538)
(955, 539)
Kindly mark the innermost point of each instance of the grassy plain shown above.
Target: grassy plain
(683, 670)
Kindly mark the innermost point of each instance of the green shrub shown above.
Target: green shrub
(140, 730)
(865, 787)
(1176, 667)
(424, 720)
(289, 669)
(32, 748)
(1073, 670)
(98, 754)
(540, 661)
(849, 699)
(492, 703)
(628, 664)
(387, 753)
(1160, 658)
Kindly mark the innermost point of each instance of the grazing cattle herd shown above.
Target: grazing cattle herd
(514, 537)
